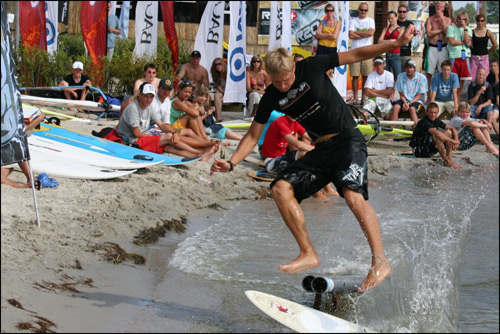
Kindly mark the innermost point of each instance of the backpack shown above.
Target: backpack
(111, 134)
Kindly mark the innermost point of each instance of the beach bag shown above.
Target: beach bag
(110, 134)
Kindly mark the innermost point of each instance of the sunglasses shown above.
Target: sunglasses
(152, 72)
(255, 61)
(480, 20)
(329, 10)
(218, 64)
(462, 18)
(402, 11)
(363, 10)
(186, 83)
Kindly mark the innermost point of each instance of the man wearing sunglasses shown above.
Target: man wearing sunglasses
(361, 32)
(459, 44)
(437, 52)
(194, 72)
(149, 77)
(405, 52)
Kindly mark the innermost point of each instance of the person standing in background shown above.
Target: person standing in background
(404, 23)
(479, 50)
(392, 31)
(113, 31)
(327, 32)
(361, 31)
(459, 44)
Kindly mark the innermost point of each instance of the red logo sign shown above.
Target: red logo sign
(293, 15)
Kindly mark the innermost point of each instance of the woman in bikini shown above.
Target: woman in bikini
(257, 81)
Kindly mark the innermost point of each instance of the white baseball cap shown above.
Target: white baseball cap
(148, 88)
(78, 64)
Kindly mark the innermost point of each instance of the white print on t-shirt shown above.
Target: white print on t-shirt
(293, 95)
(355, 174)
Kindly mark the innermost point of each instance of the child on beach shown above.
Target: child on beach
(471, 130)
(202, 99)
(428, 140)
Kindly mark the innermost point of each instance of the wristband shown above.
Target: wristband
(231, 166)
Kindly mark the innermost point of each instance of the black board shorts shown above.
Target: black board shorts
(340, 159)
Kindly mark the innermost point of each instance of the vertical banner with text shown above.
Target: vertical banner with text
(124, 19)
(146, 28)
(51, 19)
(236, 76)
(340, 77)
(209, 37)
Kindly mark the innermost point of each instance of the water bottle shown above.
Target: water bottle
(440, 45)
(463, 54)
(223, 153)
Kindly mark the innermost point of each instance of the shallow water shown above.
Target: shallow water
(440, 233)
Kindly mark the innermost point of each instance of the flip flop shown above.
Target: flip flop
(47, 182)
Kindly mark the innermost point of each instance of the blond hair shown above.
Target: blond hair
(463, 105)
(279, 61)
(203, 91)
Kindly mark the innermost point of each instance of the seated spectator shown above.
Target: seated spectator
(136, 120)
(76, 79)
(297, 57)
(480, 96)
(184, 114)
(149, 77)
(389, 33)
(193, 71)
(219, 74)
(471, 130)
(444, 89)
(427, 139)
(411, 86)
(286, 141)
(459, 44)
(202, 98)
(492, 78)
(257, 81)
(379, 87)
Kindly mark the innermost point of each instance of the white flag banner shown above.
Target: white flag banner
(275, 26)
(286, 15)
(340, 76)
(336, 7)
(51, 23)
(112, 10)
(209, 37)
(236, 76)
(146, 28)
(124, 19)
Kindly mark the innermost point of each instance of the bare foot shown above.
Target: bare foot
(328, 190)
(303, 262)
(492, 149)
(209, 153)
(320, 195)
(376, 275)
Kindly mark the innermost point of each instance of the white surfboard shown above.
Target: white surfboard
(70, 152)
(54, 166)
(301, 318)
(86, 105)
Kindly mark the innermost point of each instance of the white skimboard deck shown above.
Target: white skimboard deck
(301, 318)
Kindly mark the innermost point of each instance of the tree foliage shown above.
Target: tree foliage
(492, 11)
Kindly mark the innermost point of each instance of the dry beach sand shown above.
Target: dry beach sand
(55, 278)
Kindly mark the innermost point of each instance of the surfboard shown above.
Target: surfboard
(301, 318)
(106, 147)
(56, 166)
(70, 152)
(86, 105)
(262, 175)
(239, 124)
(385, 132)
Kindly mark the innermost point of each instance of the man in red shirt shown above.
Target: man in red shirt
(283, 134)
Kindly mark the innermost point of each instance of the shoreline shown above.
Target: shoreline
(81, 214)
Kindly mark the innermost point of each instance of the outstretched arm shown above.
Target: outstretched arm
(371, 51)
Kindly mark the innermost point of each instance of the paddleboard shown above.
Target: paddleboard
(301, 318)
(86, 105)
(70, 152)
(104, 146)
(56, 166)
(262, 175)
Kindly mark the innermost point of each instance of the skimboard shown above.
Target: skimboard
(55, 166)
(254, 160)
(70, 152)
(262, 175)
(301, 318)
(239, 124)
(104, 146)
(86, 105)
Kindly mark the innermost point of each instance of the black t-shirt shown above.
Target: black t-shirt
(312, 100)
(491, 78)
(486, 95)
(71, 82)
(421, 133)
(405, 49)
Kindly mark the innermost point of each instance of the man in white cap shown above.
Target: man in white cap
(379, 87)
(137, 118)
(76, 79)
(194, 72)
